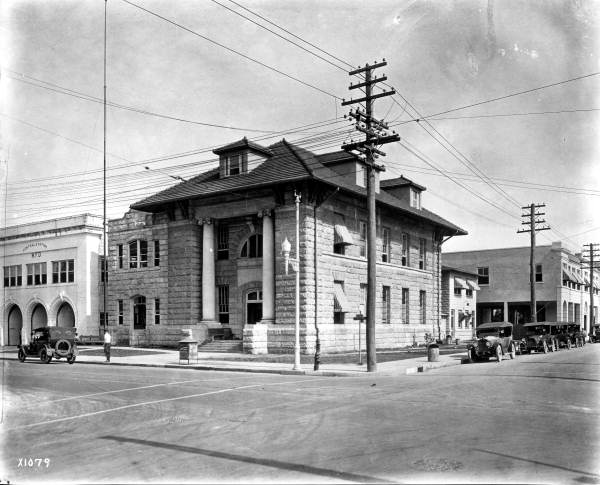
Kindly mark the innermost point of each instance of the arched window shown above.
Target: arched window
(252, 248)
(139, 313)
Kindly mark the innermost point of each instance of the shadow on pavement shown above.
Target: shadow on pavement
(256, 461)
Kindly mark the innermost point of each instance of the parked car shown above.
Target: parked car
(577, 335)
(51, 342)
(494, 339)
(563, 334)
(538, 337)
(595, 334)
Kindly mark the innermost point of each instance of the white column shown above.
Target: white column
(268, 269)
(208, 271)
(506, 311)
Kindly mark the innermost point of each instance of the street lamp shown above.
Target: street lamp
(286, 248)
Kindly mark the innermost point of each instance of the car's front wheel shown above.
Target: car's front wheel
(21, 355)
(45, 357)
(512, 352)
(499, 353)
(569, 344)
(471, 355)
(545, 347)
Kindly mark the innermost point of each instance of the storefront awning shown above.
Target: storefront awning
(569, 275)
(473, 285)
(460, 283)
(340, 301)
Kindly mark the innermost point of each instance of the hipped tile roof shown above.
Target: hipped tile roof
(288, 163)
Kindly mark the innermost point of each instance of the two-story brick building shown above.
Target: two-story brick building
(459, 303)
(52, 276)
(562, 284)
(206, 253)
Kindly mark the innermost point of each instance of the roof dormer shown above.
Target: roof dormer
(404, 189)
(240, 157)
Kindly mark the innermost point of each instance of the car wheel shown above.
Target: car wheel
(499, 353)
(45, 357)
(21, 355)
(545, 347)
(569, 344)
(71, 359)
(512, 352)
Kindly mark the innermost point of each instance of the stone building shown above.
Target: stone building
(459, 303)
(52, 276)
(205, 254)
(562, 284)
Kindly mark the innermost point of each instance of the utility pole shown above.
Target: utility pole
(532, 219)
(375, 134)
(593, 249)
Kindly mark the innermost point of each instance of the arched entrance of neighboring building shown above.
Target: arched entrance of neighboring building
(39, 317)
(254, 306)
(15, 324)
(65, 316)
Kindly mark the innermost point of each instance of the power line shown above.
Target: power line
(208, 39)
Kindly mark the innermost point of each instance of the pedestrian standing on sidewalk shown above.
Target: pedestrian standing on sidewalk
(107, 342)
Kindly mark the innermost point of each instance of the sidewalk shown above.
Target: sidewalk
(218, 361)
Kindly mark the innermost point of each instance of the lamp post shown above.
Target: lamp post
(295, 262)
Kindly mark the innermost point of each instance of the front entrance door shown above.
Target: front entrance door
(254, 307)
(39, 317)
(65, 316)
(15, 323)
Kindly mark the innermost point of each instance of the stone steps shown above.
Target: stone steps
(222, 346)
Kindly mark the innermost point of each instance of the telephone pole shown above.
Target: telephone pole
(532, 219)
(593, 250)
(376, 134)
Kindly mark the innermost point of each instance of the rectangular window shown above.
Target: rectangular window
(223, 242)
(103, 319)
(103, 273)
(483, 275)
(386, 241)
(457, 291)
(36, 274)
(415, 198)
(405, 249)
(423, 306)
(233, 165)
(341, 235)
(157, 311)
(469, 293)
(363, 296)
(422, 253)
(156, 253)
(120, 251)
(223, 294)
(461, 317)
(120, 305)
(362, 239)
(138, 254)
(538, 273)
(405, 306)
(338, 310)
(452, 320)
(386, 305)
(13, 275)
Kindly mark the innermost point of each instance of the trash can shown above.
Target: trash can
(449, 340)
(188, 350)
(433, 353)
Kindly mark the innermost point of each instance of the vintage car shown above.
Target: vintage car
(494, 339)
(563, 333)
(538, 337)
(51, 342)
(595, 334)
(577, 335)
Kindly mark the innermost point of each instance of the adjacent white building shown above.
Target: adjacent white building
(51, 276)
(459, 303)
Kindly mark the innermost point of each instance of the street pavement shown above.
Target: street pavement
(534, 419)
(228, 362)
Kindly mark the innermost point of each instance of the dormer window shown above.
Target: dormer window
(415, 198)
(233, 164)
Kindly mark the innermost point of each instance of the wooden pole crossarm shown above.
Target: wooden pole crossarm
(368, 67)
(369, 98)
(366, 83)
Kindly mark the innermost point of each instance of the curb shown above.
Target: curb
(435, 365)
(225, 369)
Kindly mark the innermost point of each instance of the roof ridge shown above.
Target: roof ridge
(293, 148)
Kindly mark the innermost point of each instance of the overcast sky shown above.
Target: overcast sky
(539, 147)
